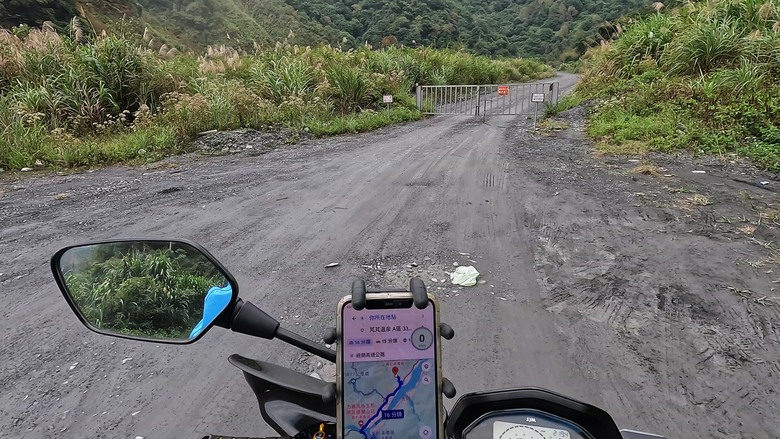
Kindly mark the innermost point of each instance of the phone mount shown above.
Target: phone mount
(420, 297)
(416, 287)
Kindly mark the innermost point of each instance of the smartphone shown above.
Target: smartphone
(389, 369)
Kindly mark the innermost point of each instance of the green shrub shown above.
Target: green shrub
(349, 88)
(284, 78)
(363, 121)
(647, 38)
(566, 102)
(700, 77)
(703, 47)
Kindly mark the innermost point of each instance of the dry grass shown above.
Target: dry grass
(630, 148)
(647, 169)
(699, 200)
(755, 297)
(757, 265)
(769, 216)
(677, 190)
(693, 202)
(552, 125)
(747, 229)
(218, 59)
(769, 245)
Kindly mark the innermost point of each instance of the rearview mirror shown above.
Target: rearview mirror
(163, 291)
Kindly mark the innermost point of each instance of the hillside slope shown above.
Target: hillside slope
(551, 30)
(235, 22)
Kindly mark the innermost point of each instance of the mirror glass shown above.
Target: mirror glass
(147, 289)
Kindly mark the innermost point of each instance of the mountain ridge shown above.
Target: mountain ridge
(555, 31)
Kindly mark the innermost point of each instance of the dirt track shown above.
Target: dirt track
(653, 297)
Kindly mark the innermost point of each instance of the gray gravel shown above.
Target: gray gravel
(602, 284)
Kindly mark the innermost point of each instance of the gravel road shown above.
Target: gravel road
(651, 294)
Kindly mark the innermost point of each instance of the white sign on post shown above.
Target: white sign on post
(387, 99)
(537, 97)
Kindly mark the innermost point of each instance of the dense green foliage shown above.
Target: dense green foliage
(139, 289)
(552, 30)
(35, 12)
(116, 98)
(703, 76)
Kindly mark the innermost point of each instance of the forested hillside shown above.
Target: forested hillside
(554, 30)
(186, 24)
(35, 12)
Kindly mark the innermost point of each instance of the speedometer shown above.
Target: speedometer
(508, 430)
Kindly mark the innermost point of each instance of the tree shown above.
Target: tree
(35, 12)
(389, 41)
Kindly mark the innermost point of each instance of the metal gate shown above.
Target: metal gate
(486, 100)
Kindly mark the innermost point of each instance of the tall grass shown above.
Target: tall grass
(350, 89)
(76, 100)
(284, 77)
(709, 70)
(704, 47)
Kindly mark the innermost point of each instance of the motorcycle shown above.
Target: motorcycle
(174, 291)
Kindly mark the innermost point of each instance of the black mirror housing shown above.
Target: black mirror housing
(155, 290)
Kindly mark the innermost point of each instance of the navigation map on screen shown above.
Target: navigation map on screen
(389, 376)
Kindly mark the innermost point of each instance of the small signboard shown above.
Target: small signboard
(387, 99)
(503, 90)
(537, 97)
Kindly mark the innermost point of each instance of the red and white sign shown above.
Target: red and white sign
(503, 90)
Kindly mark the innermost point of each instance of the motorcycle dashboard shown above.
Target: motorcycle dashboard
(527, 413)
(523, 424)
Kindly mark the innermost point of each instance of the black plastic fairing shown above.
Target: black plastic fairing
(473, 406)
(291, 416)
(280, 377)
(290, 402)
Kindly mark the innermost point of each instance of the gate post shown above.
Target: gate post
(418, 94)
(479, 98)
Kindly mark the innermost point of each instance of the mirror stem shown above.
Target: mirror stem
(306, 344)
(251, 320)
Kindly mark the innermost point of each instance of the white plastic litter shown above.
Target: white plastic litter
(465, 276)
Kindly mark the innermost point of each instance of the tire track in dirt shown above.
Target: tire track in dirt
(641, 281)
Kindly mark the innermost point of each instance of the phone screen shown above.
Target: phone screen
(389, 373)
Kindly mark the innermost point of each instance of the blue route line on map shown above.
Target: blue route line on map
(384, 403)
